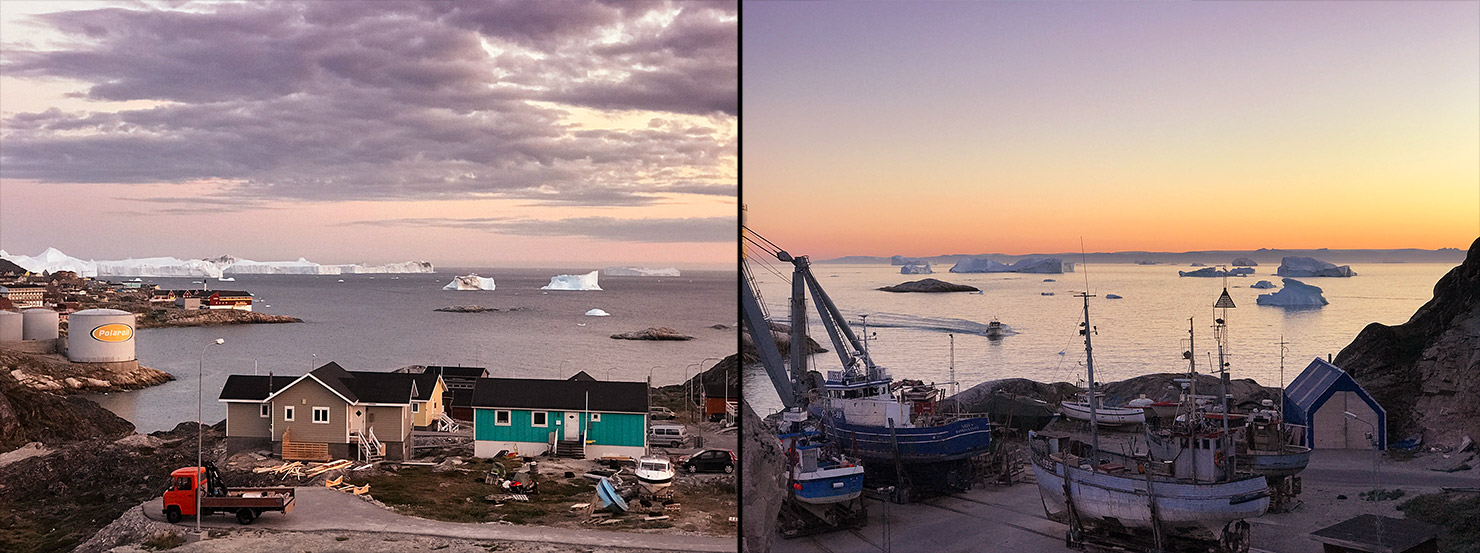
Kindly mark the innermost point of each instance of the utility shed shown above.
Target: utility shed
(1378, 534)
(1321, 397)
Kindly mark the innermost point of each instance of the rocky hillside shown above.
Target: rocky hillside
(31, 415)
(1424, 372)
(54, 373)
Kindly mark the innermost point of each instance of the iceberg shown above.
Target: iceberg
(640, 272)
(1263, 284)
(1245, 262)
(573, 282)
(234, 266)
(469, 282)
(1294, 294)
(51, 261)
(158, 267)
(916, 270)
(597, 313)
(1240, 271)
(1311, 267)
(1204, 272)
(405, 267)
(902, 260)
(1043, 265)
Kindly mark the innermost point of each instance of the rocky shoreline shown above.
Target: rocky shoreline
(659, 334)
(55, 374)
(209, 317)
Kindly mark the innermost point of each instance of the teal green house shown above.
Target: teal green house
(577, 417)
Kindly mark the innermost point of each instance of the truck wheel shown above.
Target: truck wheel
(172, 514)
(245, 516)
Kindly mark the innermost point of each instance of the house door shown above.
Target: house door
(572, 426)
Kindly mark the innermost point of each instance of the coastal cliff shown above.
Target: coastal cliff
(1423, 372)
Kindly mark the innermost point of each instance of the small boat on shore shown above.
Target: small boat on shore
(654, 472)
(1107, 416)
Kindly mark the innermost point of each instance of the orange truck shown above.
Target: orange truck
(246, 503)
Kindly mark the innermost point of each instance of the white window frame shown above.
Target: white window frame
(508, 417)
(545, 424)
(415, 407)
(316, 411)
(595, 417)
(266, 411)
(288, 413)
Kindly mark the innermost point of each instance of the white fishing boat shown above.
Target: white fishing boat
(1108, 416)
(1191, 497)
(654, 472)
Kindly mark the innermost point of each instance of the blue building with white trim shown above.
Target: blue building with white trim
(1338, 412)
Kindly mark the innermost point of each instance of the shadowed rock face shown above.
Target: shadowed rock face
(1424, 371)
(762, 464)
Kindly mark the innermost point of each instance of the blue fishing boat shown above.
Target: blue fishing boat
(865, 418)
(817, 476)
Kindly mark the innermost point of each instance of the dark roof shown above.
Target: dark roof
(253, 387)
(335, 377)
(1377, 533)
(581, 376)
(362, 386)
(565, 395)
(458, 372)
(426, 383)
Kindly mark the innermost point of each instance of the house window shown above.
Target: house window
(595, 417)
(541, 419)
(266, 410)
(416, 408)
(501, 418)
(321, 415)
(288, 413)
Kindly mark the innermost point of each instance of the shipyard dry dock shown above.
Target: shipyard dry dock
(1011, 518)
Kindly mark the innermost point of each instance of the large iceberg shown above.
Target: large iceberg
(234, 266)
(902, 260)
(572, 282)
(1311, 267)
(1263, 284)
(640, 272)
(51, 261)
(158, 267)
(1045, 265)
(469, 282)
(916, 270)
(1294, 294)
(1245, 262)
(404, 267)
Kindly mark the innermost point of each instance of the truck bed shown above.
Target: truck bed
(276, 498)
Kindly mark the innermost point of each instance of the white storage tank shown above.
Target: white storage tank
(10, 326)
(100, 335)
(39, 324)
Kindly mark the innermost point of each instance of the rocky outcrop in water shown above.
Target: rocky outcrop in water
(782, 334)
(929, 285)
(210, 317)
(1424, 372)
(54, 373)
(660, 334)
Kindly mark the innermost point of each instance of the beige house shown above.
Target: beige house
(427, 408)
(329, 413)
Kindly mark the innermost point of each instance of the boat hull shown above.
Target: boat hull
(828, 486)
(1108, 416)
(1192, 510)
(961, 439)
(1291, 461)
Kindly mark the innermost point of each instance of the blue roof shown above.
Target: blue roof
(1316, 384)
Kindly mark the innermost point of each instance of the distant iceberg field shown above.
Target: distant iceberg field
(53, 260)
(640, 271)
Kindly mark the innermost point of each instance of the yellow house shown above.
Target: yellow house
(427, 408)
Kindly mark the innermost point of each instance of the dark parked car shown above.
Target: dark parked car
(709, 460)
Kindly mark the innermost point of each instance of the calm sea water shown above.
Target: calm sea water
(1144, 332)
(384, 322)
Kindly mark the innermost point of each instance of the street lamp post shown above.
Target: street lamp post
(1371, 440)
(200, 425)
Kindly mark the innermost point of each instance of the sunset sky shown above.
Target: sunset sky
(1018, 127)
(461, 133)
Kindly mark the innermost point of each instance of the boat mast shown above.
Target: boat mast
(955, 389)
(1089, 359)
(1220, 331)
(1280, 402)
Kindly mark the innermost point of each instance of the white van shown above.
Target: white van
(667, 435)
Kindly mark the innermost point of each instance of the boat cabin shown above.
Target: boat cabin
(865, 402)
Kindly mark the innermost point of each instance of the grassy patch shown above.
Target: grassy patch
(1380, 494)
(1456, 513)
(457, 496)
